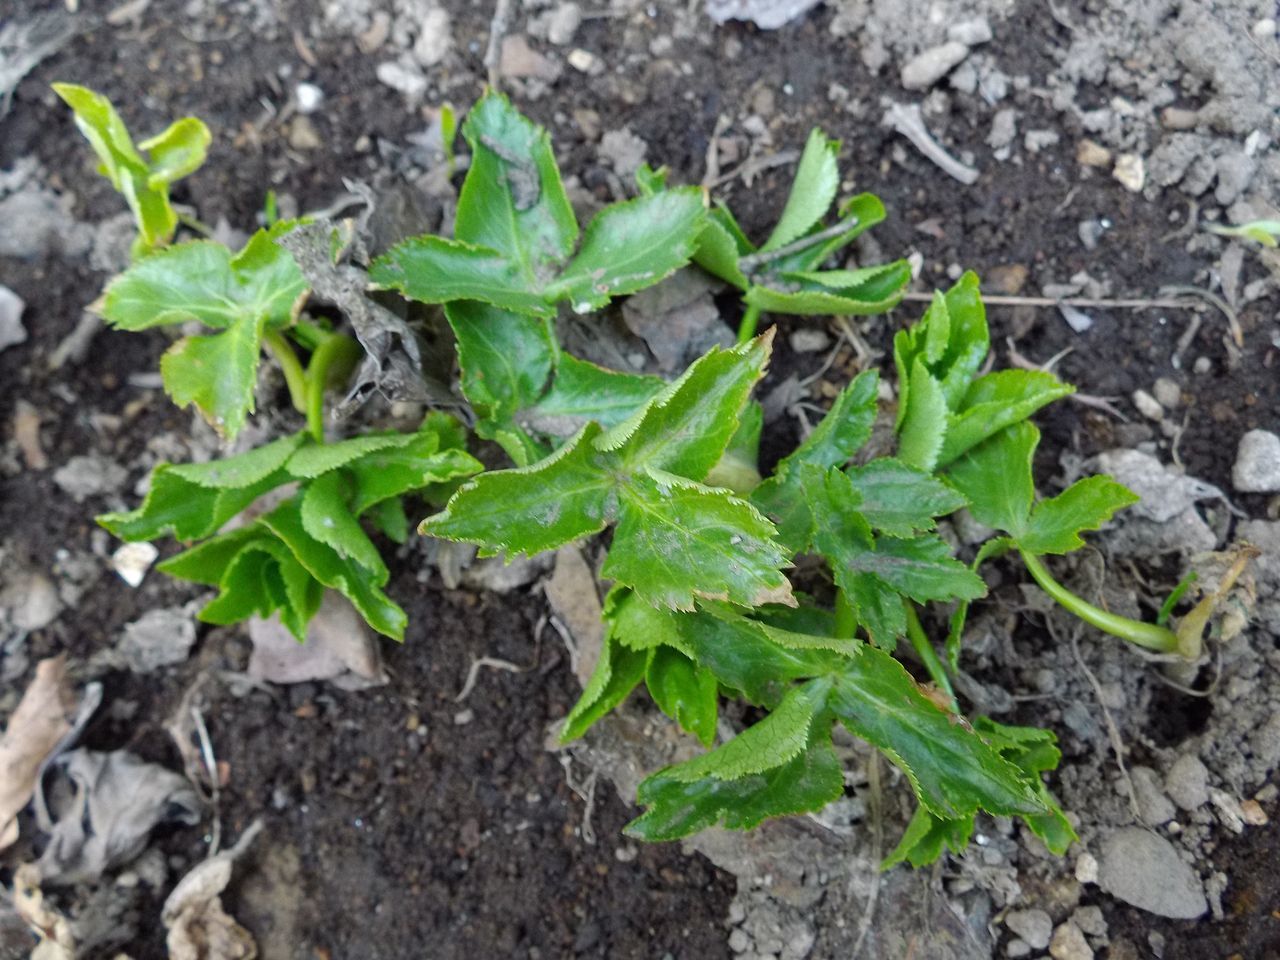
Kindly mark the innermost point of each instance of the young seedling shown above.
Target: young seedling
(784, 275)
(144, 183)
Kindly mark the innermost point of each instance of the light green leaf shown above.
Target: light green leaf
(684, 691)
(864, 211)
(327, 517)
(435, 270)
(244, 470)
(385, 475)
(582, 392)
(512, 200)
(617, 673)
(207, 562)
(1085, 505)
(812, 191)
(718, 251)
(630, 246)
(953, 771)
(995, 477)
(505, 358)
(900, 500)
(927, 836)
(178, 151)
(678, 807)
(994, 402)
(319, 458)
(923, 411)
(530, 509)
(853, 293)
(677, 540)
(217, 373)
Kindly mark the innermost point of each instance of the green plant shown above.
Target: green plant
(173, 154)
(1264, 232)
(701, 605)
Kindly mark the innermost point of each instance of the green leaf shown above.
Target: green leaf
(678, 807)
(327, 517)
(258, 289)
(738, 467)
(583, 392)
(436, 270)
(531, 509)
(650, 181)
(1085, 505)
(506, 359)
(315, 459)
(207, 562)
(900, 500)
(951, 339)
(356, 583)
(144, 184)
(995, 547)
(923, 412)
(684, 691)
(817, 178)
(389, 517)
(927, 836)
(719, 250)
(852, 293)
(1033, 751)
(387, 474)
(630, 246)
(953, 771)
(512, 200)
(617, 673)
(864, 210)
(994, 402)
(995, 477)
(677, 540)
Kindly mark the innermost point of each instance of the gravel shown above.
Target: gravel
(1257, 467)
(1187, 782)
(11, 329)
(925, 69)
(1033, 926)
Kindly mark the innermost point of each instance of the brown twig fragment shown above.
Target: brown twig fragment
(497, 30)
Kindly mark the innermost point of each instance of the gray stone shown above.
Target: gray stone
(11, 329)
(32, 600)
(970, 32)
(563, 23)
(1004, 127)
(434, 38)
(1156, 808)
(809, 340)
(1033, 926)
(1257, 467)
(1144, 870)
(1187, 782)
(1017, 947)
(1235, 173)
(1090, 920)
(157, 639)
(89, 476)
(1168, 393)
(928, 67)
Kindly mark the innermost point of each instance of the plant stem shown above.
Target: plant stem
(1160, 639)
(294, 376)
(335, 357)
(747, 328)
(920, 643)
(846, 622)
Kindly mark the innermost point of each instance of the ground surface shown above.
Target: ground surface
(395, 830)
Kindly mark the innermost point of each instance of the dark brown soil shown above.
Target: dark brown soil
(465, 840)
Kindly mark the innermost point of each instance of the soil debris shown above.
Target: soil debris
(1257, 466)
(1143, 869)
(159, 638)
(37, 726)
(12, 331)
(199, 927)
(339, 648)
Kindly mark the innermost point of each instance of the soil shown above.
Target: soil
(399, 822)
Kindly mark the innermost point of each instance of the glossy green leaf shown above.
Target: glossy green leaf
(512, 200)
(1087, 504)
(812, 191)
(217, 373)
(583, 392)
(679, 807)
(243, 470)
(677, 540)
(207, 562)
(853, 293)
(388, 473)
(994, 402)
(995, 547)
(505, 358)
(617, 673)
(995, 477)
(900, 500)
(436, 270)
(389, 517)
(684, 691)
(927, 837)
(178, 151)
(327, 517)
(718, 251)
(630, 246)
(923, 412)
(738, 467)
(862, 212)
(952, 769)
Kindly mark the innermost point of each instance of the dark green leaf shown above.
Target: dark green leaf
(927, 836)
(923, 412)
(583, 392)
(995, 477)
(505, 358)
(617, 672)
(436, 270)
(1085, 505)
(327, 517)
(854, 293)
(994, 402)
(684, 691)
(901, 500)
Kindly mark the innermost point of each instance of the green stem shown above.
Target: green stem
(332, 360)
(920, 643)
(309, 335)
(747, 328)
(846, 621)
(1148, 635)
(294, 376)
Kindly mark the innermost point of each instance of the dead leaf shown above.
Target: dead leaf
(54, 930)
(105, 817)
(339, 648)
(199, 927)
(26, 431)
(42, 719)
(571, 591)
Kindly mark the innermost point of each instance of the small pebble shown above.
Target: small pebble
(463, 717)
(1091, 920)
(1087, 868)
(809, 340)
(133, 560)
(563, 23)
(1168, 393)
(970, 32)
(581, 60)
(1264, 29)
(303, 135)
(1187, 782)
(1257, 466)
(1089, 153)
(1130, 171)
(1148, 405)
(928, 67)
(1069, 944)
(1202, 365)
(1033, 926)
(1253, 814)
(309, 97)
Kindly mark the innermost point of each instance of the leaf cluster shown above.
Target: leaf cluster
(300, 504)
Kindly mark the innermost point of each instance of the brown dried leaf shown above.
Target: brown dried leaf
(41, 720)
